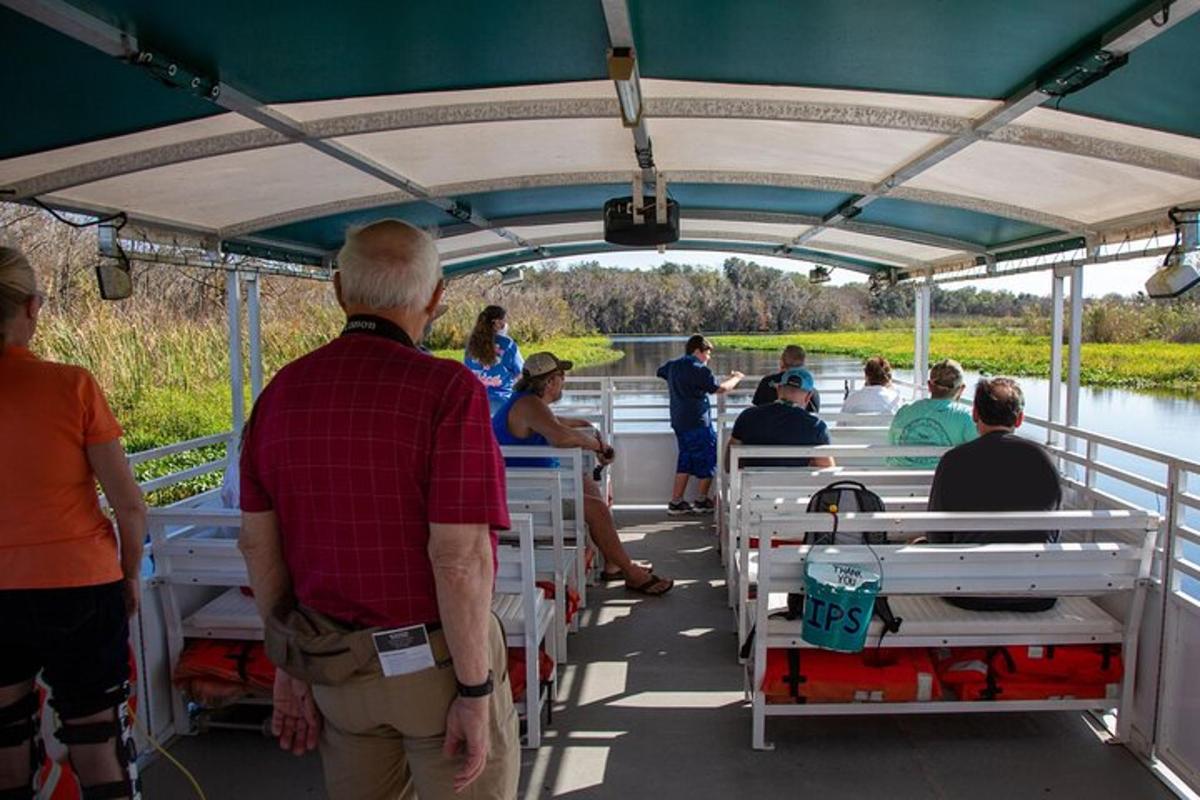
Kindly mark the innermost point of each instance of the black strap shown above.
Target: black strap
(70, 733)
(23, 709)
(116, 790)
(891, 623)
(1106, 654)
(794, 678)
(19, 721)
(377, 326)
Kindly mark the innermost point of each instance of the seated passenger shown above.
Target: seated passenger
(784, 422)
(878, 396)
(525, 419)
(999, 471)
(936, 421)
(793, 356)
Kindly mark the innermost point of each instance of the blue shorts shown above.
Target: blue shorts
(697, 452)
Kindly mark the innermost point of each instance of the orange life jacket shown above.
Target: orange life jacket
(893, 675)
(220, 670)
(516, 670)
(1031, 672)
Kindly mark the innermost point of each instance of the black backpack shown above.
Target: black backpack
(842, 496)
(836, 498)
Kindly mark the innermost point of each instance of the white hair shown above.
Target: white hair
(396, 267)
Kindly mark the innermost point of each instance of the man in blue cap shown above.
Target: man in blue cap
(784, 422)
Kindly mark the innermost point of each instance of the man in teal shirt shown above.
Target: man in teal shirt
(937, 421)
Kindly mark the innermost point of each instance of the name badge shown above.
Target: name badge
(403, 651)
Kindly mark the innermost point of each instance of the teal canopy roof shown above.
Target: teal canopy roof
(868, 136)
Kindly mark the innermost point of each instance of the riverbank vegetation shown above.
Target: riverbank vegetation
(999, 351)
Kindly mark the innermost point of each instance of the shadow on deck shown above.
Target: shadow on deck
(652, 704)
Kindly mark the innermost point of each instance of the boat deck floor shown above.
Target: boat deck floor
(651, 705)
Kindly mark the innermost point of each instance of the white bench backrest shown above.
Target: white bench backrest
(999, 568)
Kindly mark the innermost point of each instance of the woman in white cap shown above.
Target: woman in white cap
(67, 589)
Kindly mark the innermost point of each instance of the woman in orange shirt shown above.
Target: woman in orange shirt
(67, 589)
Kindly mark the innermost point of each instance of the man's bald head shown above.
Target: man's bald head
(388, 264)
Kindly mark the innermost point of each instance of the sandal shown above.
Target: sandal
(617, 575)
(648, 588)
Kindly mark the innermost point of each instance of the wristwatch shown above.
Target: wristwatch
(478, 690)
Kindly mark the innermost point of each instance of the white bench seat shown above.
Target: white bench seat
(508, 608)
(230, 615)
(932, 622)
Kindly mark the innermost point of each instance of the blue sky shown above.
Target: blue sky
(1123, 277)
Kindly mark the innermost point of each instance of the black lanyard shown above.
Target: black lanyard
(377, 326)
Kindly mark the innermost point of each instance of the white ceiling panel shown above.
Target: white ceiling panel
(796, 148)
(468, 241)
(495, 150)
(585, 230)
(954, 106)
(225, 190)
(18, 169)
(835, 237)
(1076, 187)
(690, 228)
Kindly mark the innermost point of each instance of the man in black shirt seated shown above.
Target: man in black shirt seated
(999, 471)
(793, 356)
(786, 421)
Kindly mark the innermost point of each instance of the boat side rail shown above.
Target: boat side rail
(1072, 570)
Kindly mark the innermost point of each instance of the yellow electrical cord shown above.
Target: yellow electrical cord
(192, 778)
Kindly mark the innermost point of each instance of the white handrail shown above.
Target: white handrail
(179, 447)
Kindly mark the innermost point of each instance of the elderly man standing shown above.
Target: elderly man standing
(371, 489)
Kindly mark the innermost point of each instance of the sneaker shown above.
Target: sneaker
(682, 507)
(705, 506)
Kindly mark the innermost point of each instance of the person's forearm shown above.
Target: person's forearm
(730, 383)
(574, 422)
(464, 595)
(131, 530)
(574, 437)
(269, 578)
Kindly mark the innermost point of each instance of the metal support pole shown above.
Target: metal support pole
(254, 326)
(1054, 413)
(233, 310)
(1074, 367)
(926, 327)
(921, 308)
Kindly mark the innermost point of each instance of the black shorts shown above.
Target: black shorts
(77, 638)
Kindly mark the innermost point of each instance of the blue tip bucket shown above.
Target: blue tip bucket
(838, 602)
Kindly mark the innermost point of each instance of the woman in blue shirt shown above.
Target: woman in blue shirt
(493, 356)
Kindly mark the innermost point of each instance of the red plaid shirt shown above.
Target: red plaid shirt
(358, 447)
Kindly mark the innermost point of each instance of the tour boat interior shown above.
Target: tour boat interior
(913, 143)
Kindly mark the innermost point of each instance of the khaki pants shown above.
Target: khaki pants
(383, 737)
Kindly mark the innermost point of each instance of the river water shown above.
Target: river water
(1169, 423)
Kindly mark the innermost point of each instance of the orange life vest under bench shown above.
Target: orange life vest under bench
(893, 675)
(1032, 672)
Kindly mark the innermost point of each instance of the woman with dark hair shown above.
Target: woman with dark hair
(878, 396)
(493, 356)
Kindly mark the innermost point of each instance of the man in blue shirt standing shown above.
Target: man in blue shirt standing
(690, 382)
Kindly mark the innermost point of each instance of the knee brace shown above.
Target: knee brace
(20, 724)
(119, 730)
